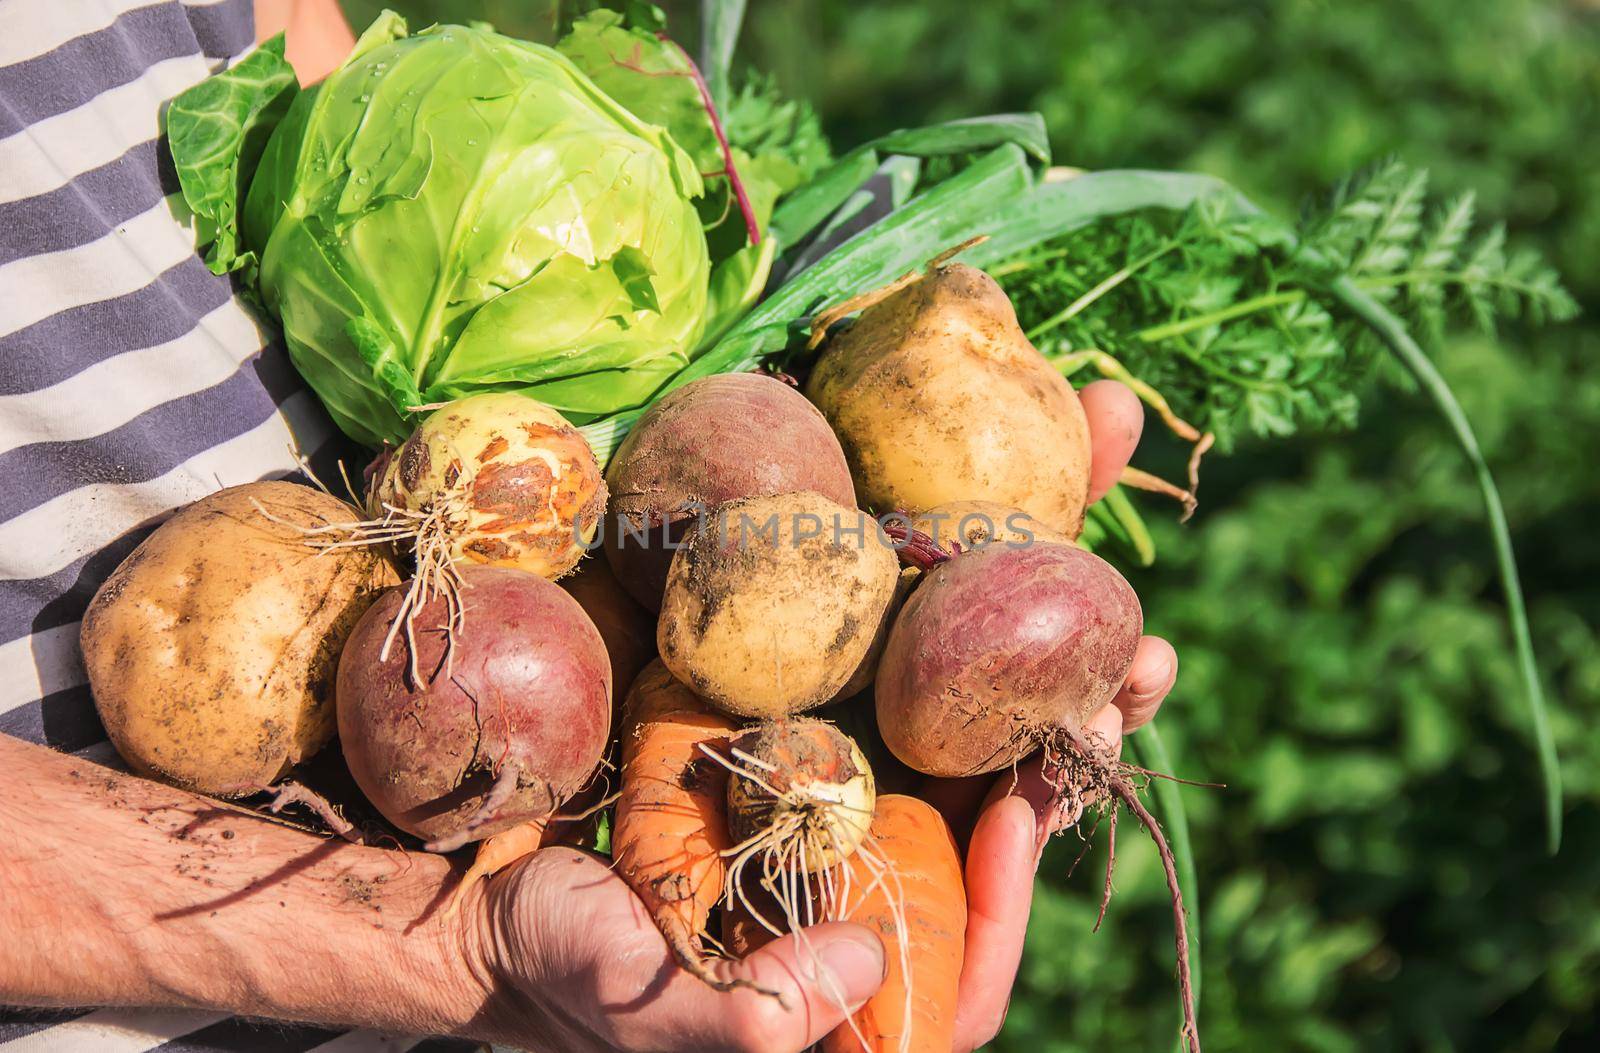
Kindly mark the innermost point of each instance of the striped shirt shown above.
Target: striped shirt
(131, 382)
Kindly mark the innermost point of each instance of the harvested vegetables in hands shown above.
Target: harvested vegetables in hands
(585, 237)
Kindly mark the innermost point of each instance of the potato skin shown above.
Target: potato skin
(978, 524)
(212, 649)
(529, 684)
(996, 647)
(937, 396)
(715, 439)
(763, 629)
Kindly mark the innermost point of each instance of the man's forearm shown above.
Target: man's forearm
(120, 891)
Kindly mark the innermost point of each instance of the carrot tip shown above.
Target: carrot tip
(702, 971)
(699, 966)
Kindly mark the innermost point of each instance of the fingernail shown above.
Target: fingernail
(857, 964)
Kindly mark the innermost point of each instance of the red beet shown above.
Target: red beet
(511, 727)
(1006, 648)
(999, 646)
(719, 438)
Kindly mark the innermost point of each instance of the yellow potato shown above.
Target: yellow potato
(771, 604)
(212, 649)
(937, 396)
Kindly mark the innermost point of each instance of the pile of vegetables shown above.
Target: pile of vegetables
(606, 322)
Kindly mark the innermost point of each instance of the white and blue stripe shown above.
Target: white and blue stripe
(131, 382)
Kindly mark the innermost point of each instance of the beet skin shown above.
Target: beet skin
(715, 439)
(528, 690)
(998, 646)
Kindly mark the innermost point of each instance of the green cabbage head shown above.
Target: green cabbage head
(456, 212)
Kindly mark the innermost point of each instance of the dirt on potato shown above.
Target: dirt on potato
(772, 605)
(212, 649)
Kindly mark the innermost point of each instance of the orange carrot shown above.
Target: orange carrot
(568, 827)
(671, 825)
(498, 852)
(906, 885)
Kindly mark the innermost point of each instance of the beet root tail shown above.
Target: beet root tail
(1086, 766)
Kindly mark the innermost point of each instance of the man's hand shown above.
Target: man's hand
(576, 964)
(1006, 820)
(120, 891)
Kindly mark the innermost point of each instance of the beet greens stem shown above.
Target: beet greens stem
(728, 169)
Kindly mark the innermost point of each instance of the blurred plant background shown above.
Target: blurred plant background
(1373, 877)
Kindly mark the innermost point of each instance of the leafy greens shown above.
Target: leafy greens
(455, 211)
(1224, 311)
(217, 132)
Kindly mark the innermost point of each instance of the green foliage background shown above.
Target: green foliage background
(1372, 877)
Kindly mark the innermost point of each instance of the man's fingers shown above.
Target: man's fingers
(999, 895)
(1022, 811)
(817, 976)
(1108, 726)
(1154, 671)
(1116, 420)
(574, 938)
